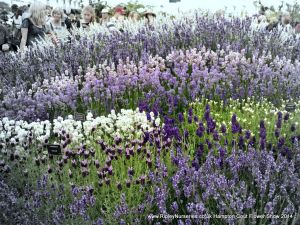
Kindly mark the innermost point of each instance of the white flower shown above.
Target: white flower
(157, 121)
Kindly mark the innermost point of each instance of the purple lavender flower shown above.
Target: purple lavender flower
(180, 117)
(223, 128)
(281, 142)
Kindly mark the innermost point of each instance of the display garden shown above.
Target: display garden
(191, 120)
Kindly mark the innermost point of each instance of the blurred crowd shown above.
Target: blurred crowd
(273, 17)
(30, 23)
(26, 25)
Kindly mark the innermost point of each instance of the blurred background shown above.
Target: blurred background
(169, 6)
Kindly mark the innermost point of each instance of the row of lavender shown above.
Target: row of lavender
(140, 42)
(166, 85)
(212, 136)
(127, 166)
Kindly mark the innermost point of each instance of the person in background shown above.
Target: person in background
(4, 46)
(56, 25)
(25, 11)
(72, 22)
(48, 13)
(285, 19)
(16, 27)
(77, 19)
(119, 13)
(107, 21)
(88, 16)
(149, 16)
(104, 16)
(68, 22)
(134, 16)
(17, 17)
(4, 17)
(33, 28)
(297, 28)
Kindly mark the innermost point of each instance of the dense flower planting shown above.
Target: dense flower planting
(174, 81)
(191, 121)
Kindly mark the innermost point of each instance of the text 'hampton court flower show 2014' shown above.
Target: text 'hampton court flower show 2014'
(149, 112)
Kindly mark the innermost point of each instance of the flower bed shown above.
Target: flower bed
(191, 121)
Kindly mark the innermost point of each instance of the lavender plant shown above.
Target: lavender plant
(174, 81)
(195, 169)
(192, 31)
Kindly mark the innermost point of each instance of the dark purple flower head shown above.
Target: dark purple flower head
(279, 114)
(99, 221)
(233, 118)
(149, 162)
(195, 164)
(223, 128)
(180, 117)
(85, 172)
(222, 152)
(90, 190)
(186, 133)
(278, 124)
(252, 141)
(74, 163)
(277, 133)
(37, 161)
(97, 164)
(60, 163)
(148, 116)
(130, 171)
(7, 169)
(119, 186)
(107, 181)
(287, 153)
(207, 107)
(143, 179)
(293, 128)
(216, 136)
(262, 124)
(201, 126)
(262, 130)
(65, 159)
(102, 144)
(293, 139)
(190, 112)
(117, 140)
(174, 207)
(281, 142)
(247, 134)
(199, 132)
(110, 170)
(100, 174)
(241, 142)
(84, 163)
(207, 115)
(200, 151)
(209, 144)
(263, 144)
(120, 150)
(235, 128)
(270, 146)
(49, 169)
(128, 183)
(286, 117)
